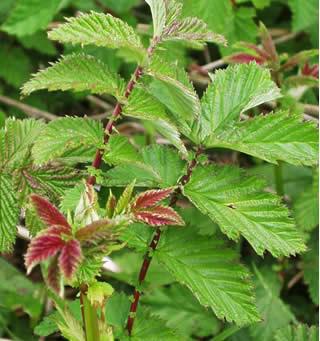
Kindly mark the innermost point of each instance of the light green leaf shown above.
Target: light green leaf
(172, 87)
(99, 29)
(29, 16)
(300, 332)
(306, 207)
(159, 15)
(120, 150)
(9, 213)
(180, 309)
(240, 206)
(161, 167)
(76, 72)
(311, 266)
(16, 139)
(211, 271)
(66, 133)
(278, 136)
(274, 312)
(124, 199)
(232, 92)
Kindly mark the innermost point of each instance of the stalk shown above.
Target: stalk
(90, 319)
(153, 245)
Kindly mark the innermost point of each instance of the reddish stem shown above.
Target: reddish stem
(153, 245)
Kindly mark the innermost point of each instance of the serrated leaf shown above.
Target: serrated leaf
(274, 312)
(211, 271)
(70, 258)
(232, 92)
(77, 72)
(161, 167)
(64, 134)
(158, 216)
(306, 207)
(311, 266)
(99, 29)
(278, 136)
(9, 213)
(299, 332)
(172, 87)
(125, 198)
(16, 139)
(150, 198)
(240, 206)
(120, 150)
(29, 16)
(177, 306)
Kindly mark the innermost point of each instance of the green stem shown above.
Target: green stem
(90, 319)
(278, 176)
(226, 333)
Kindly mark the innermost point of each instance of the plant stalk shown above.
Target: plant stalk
(154, 243)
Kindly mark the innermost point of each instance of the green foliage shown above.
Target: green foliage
(299, 332)
(161, 167)
(232, 92)
(101, 30)
(278, 136)
(72, 132)
(274, 312)
(240, 207)
(211, 271)
(311, 266)
(28, 16)
(78, 72)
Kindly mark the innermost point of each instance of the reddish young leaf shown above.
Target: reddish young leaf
(150, 198)
(267, 43)
(48, 213)
(259, 51)
(310, 70)
(41, 248)
(70, 257)
(159, 216)
(53, 278)
(244, 58)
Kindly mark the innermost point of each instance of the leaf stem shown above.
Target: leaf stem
(154, 243)
(226, 333)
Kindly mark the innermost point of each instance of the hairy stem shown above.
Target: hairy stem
(153, 245)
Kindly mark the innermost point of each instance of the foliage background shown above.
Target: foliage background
(286, 289)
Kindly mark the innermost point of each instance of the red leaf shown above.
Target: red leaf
(150, 198)
(95, 230)
(48, 213)
(159, 216)
(245, 58)
(311, 70)
(260, 52)
(53, 278)
(41, 248)
(70, 257)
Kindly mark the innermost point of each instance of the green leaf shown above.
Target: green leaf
(16, 139)
(305, 17)
(120, 150)
(239, 205)
(180, 309)
(18, 292)
(306, 207)
(300, 332)
(161, 167)
(232, 92)
(76, 72)
(125, 198)
(172, 87)
(66, 133)
(159, 11)
(278, 136)
(311, 267)
(29, 16)
(39, 42)
(211, 271)
(274, 312)
(101, 30)
(15, 65)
